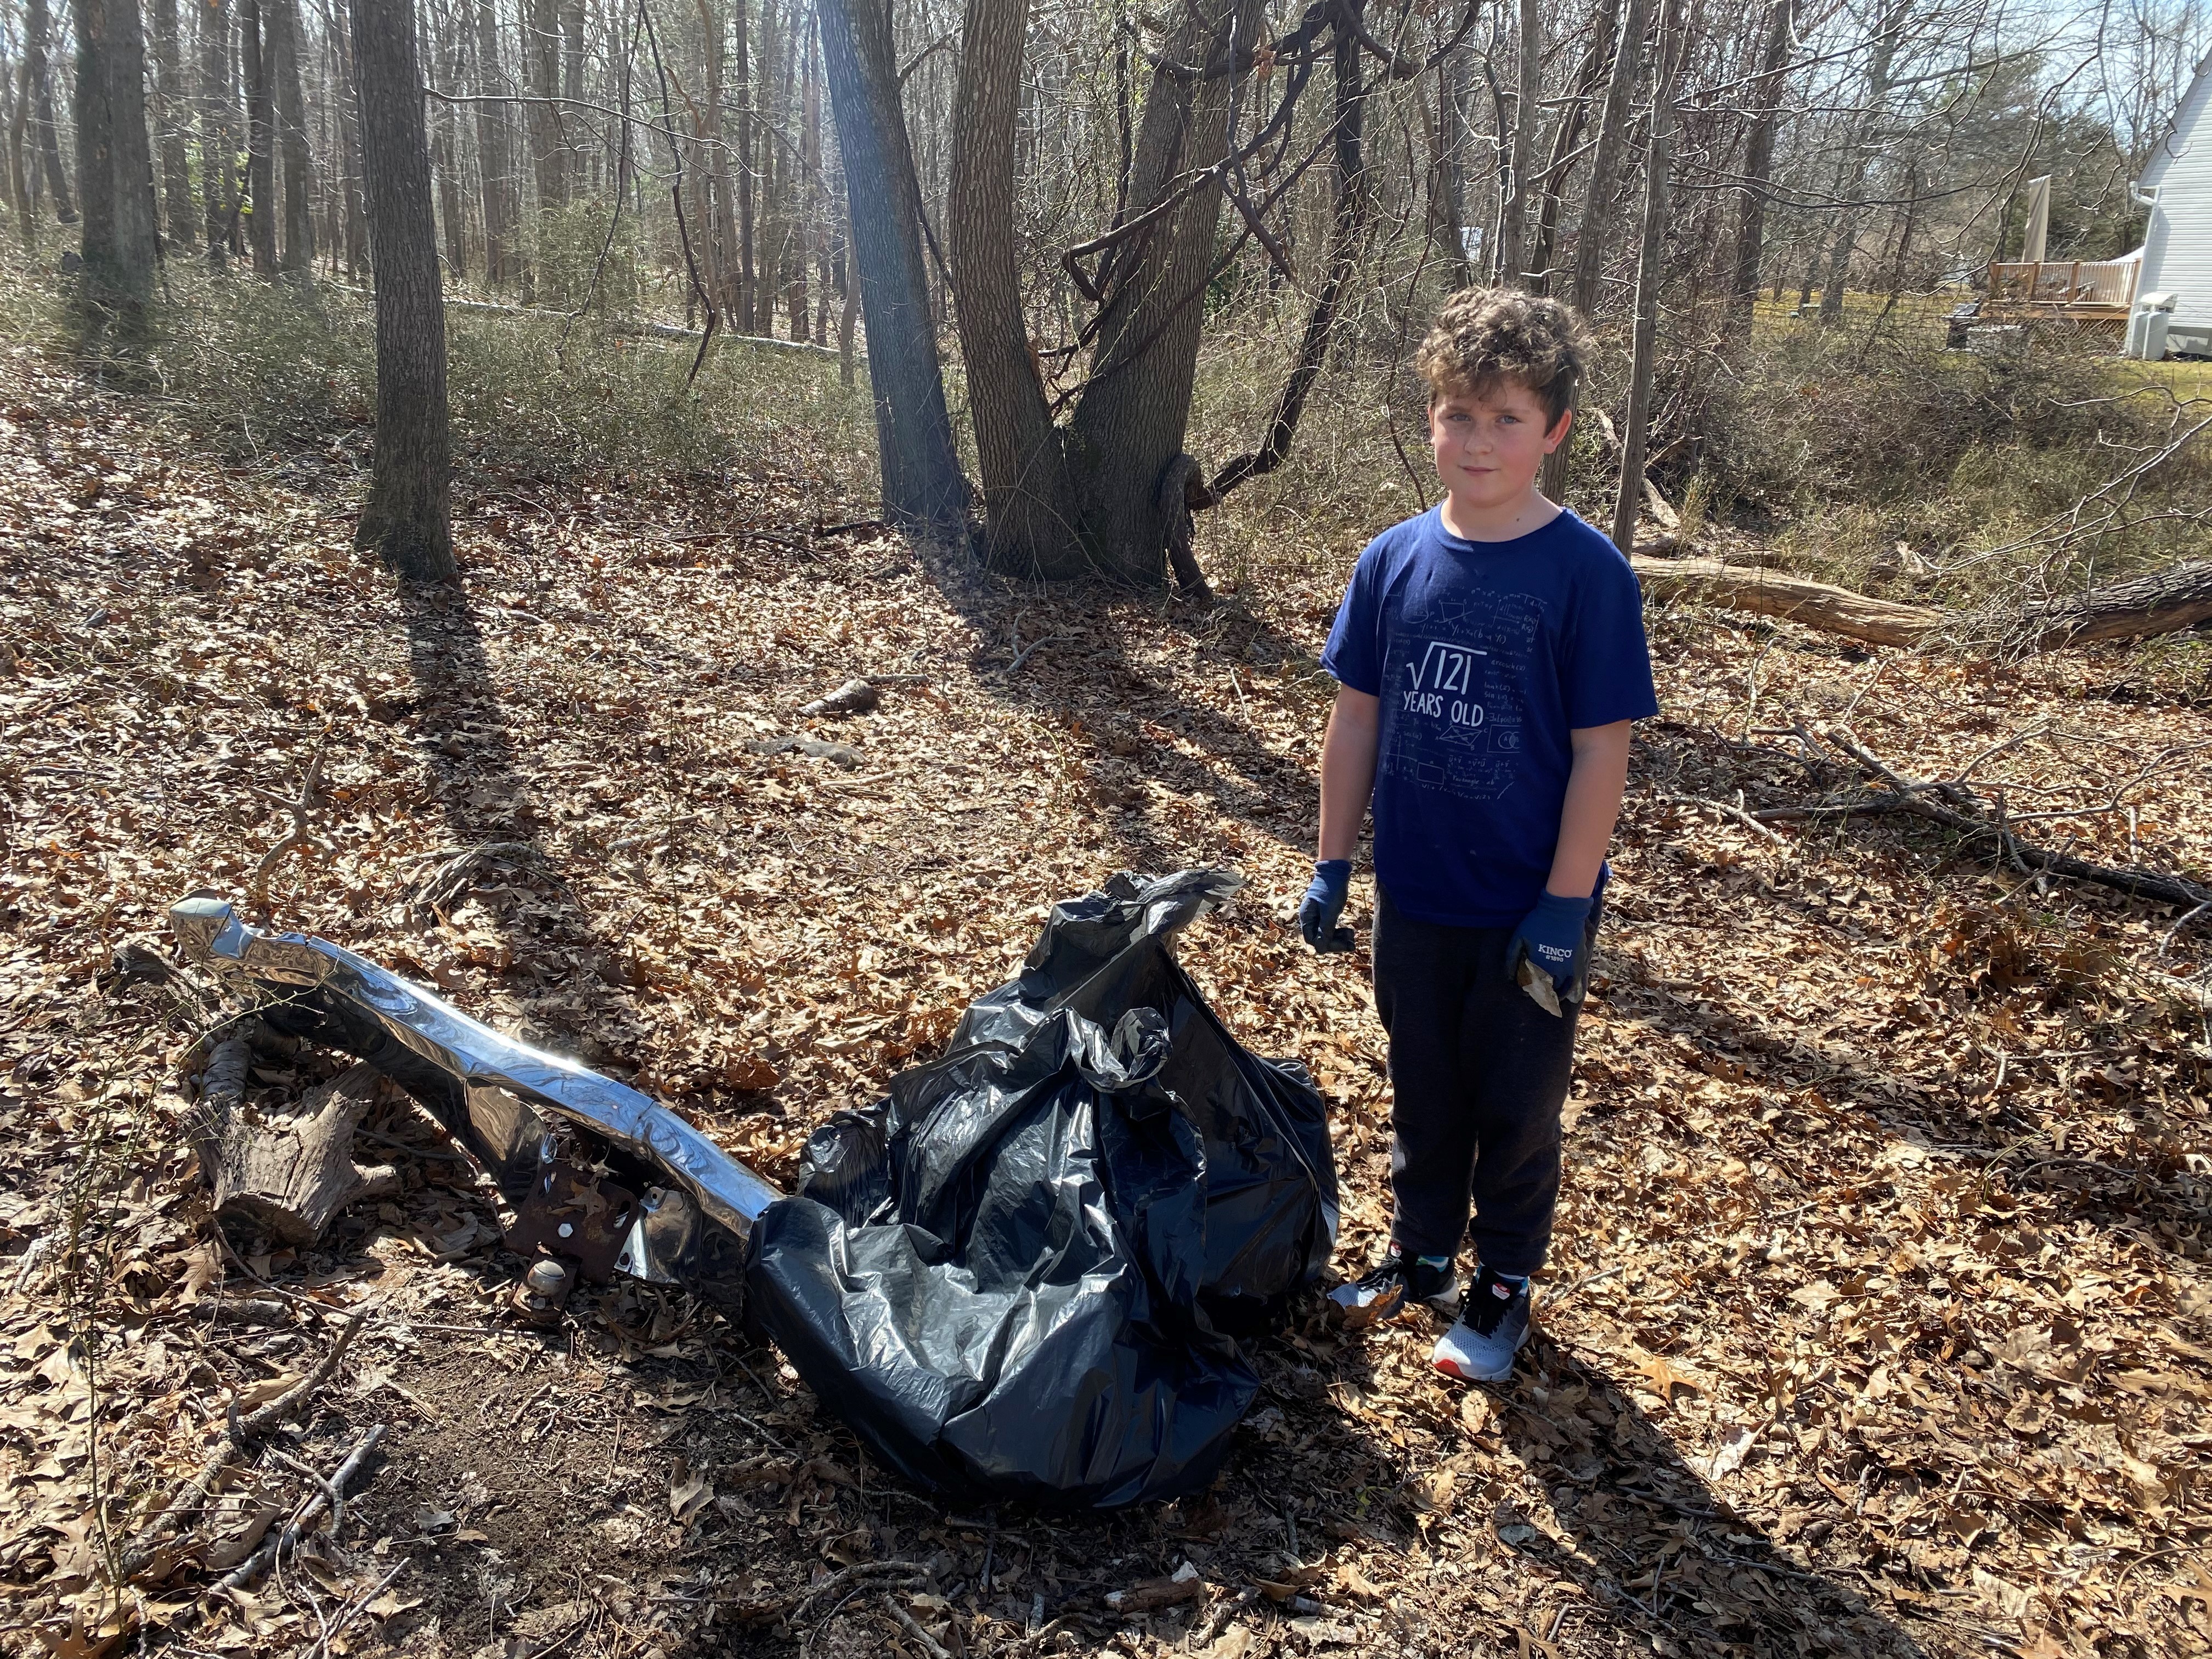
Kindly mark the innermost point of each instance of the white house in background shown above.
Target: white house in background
(2177, 187)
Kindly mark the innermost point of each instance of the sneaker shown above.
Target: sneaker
(1383, 1291)
(1492, 1324)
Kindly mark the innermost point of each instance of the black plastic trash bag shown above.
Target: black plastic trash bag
(1011, 1277)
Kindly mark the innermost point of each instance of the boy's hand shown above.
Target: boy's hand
(1552, 937)
(1324, 903)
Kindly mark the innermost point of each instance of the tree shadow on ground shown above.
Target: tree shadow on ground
(1656, 1552)
(1062, 655)
(1975, 1118)
(563, 973)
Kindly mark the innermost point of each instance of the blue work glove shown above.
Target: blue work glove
(1552, 936)
(1324, 903)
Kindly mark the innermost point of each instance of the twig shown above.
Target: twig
(330, 1498)
(354, 1609)
(242, 1432)
(1023, 655)
(296, 836)
(850, 1574)
(930, 1645)
(1736, 813)
(1217, 1620)
(2174, 932)
(1913, 798)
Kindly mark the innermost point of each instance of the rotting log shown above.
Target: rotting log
(289, 1173)
(1768, 593)
(2164, 602)
(2140, 607)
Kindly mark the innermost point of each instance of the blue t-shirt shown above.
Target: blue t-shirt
(1485, 655)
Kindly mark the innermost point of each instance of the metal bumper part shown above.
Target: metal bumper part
(506, 1103)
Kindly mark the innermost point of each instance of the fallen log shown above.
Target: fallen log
(1770, 593)
(2139, 607)
(289, 1173)
(2164, 602)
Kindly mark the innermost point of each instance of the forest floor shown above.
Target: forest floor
(1880, 1320)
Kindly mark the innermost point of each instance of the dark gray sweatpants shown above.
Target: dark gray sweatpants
(1477, 1075)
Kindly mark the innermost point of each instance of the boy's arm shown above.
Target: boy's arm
(1347, 781)
(1347, 772)
(1594, 786)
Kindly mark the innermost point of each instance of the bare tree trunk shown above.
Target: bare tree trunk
(741, 62)
(1030, 511)
(299, 255)
(353, 174)
(1858, 157)
(1130, 423)
(718, 223)
(760, 314)
(115, 164)
(1636, 429)
(260, 120)
(406, 517)
(576, 174)
(1758, 167)
(1513, 218)
(541, 69)
(923, 488)
(171, 114)
(1606, 158)
(494, 156)
(37, 28)
(1455, 75)
(20, 159)
(1552, 187)
(218, 147)
(446, 165)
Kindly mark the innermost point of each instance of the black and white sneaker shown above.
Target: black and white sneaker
(1384, 1290)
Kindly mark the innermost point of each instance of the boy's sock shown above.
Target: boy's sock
(1440, 1263)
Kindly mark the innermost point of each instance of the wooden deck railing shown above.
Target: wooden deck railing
(2095, 285)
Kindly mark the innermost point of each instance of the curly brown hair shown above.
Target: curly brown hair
(1484, 334)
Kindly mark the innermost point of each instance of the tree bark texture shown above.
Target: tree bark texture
(1129, 426)
(1551, 187)
(502, 196)
(38, 31)
(1454, 77)
(22, 158)
(283, 67)
(406, 518)
(1605, 157)
(260, 135)
(115, 161)
(290, 1174)
(172, 114)
(1758, 167)
(1636, 429)
(218, 145)
(923, 488)
(541, 65)
(1513, 218)
(1029, 513)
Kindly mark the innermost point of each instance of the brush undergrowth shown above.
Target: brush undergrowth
(274, 373)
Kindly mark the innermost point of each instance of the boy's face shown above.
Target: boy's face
(1489, 446)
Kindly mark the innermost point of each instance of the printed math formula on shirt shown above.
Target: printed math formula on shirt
(1443, 670)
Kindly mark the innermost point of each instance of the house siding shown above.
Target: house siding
(2177, 244)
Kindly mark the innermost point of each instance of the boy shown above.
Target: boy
(1490, 658)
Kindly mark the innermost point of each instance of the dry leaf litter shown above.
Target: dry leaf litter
(1879, 1320)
